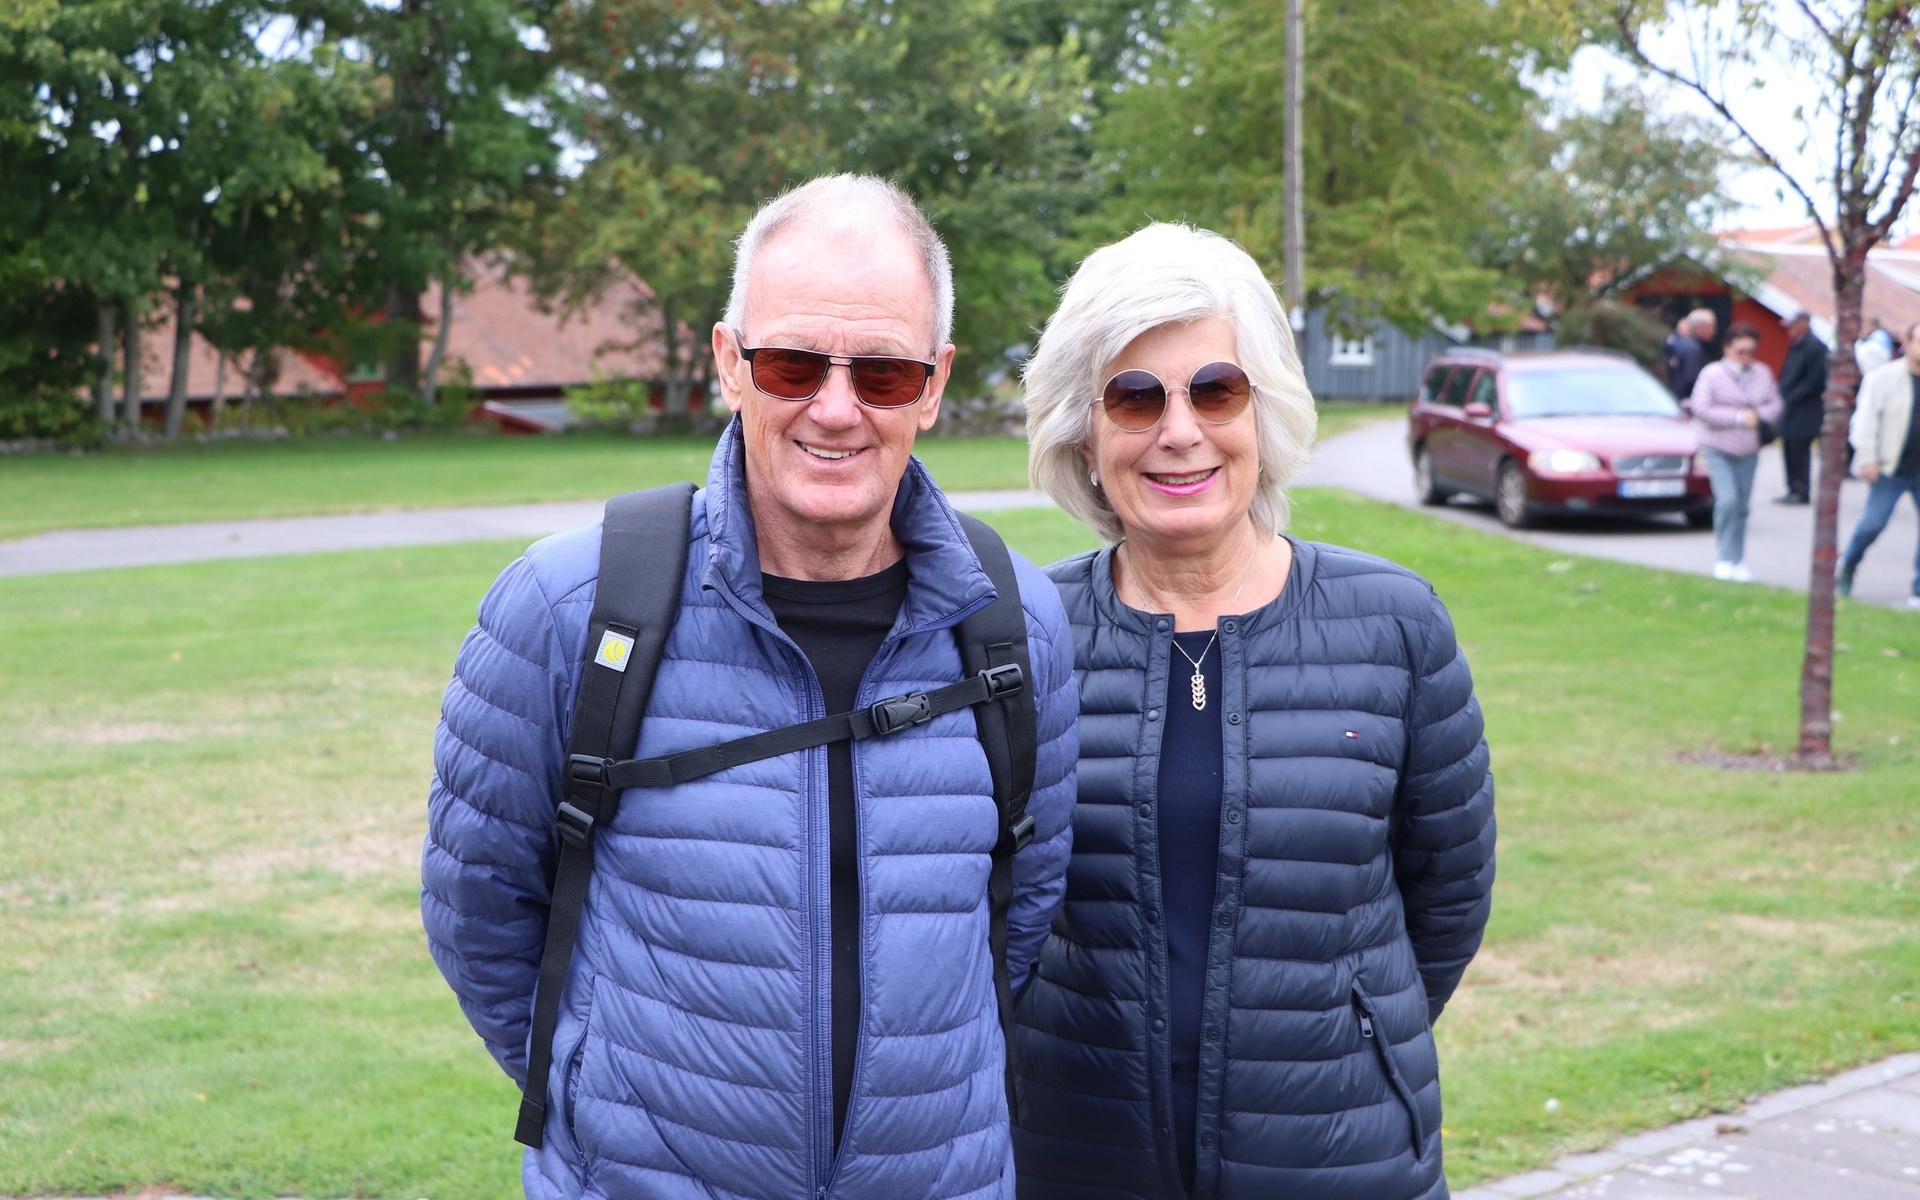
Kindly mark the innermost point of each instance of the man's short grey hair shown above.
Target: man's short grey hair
(1703, 314)
(847, 202)
(1164, 274)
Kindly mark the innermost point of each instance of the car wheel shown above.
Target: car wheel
(1699, 518)
(1423, 484)
(1510, 497)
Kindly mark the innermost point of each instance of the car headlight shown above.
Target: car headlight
(1562, 462)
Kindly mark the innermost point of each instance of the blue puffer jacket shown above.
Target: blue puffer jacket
(692, 1057)
(1356, 868)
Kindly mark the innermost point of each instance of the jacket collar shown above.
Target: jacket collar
(945, 581)
(1107, 602)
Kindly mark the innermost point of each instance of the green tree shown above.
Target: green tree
(1863, 57)
(1594, 202)
(692, 114)
(1411, 113)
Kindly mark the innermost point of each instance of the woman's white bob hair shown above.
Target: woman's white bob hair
(1165, 274)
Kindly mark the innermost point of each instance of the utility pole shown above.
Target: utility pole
(1295, 287)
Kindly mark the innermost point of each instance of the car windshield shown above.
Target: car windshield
(1588, 392)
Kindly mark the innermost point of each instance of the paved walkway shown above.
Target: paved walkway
(152, 545)
(1372, 460)
(1854, 1137)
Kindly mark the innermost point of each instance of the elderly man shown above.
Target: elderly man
(1803, 387)
(1886, 443)
(1687, 353)
(793, 963)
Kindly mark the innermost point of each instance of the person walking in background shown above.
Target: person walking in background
(1732, 402)
(1689, 353)
(1886, 442)
(1803, 390)
(1286, 815)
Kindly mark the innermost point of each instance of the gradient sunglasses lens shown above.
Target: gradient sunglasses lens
(1219, 392)
(1134, 400)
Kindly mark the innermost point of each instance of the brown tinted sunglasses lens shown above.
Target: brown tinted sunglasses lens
(799, 374)
(1219, 392)
(1136, 400)
(789, 374)
(889, 382)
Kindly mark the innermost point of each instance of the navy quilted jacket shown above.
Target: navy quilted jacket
(1356, 866)
(692, 1057)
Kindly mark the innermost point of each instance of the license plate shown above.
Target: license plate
(1647, 489)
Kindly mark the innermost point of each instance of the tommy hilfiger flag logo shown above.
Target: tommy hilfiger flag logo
(615, 648)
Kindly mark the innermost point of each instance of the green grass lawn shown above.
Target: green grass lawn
(230, 480)
(212, 793)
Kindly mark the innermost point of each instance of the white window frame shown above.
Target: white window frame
(1351, 352)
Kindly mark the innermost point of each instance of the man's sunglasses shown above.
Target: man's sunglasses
(1136, 400)
(878, 381)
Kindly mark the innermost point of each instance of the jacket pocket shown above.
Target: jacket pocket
(1371, 1033)
(576, 1056)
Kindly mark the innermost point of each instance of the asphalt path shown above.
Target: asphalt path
(156, 545)
(1373, 461)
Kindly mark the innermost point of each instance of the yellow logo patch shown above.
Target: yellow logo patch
(614, 650)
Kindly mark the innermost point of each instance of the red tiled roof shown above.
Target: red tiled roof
(1805, 280)
(500, 332)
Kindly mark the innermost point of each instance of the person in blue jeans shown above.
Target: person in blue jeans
(1886, 443)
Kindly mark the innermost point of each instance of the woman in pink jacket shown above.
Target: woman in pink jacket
(1732, 401)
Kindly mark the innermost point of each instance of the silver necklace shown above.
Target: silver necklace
(1197, 685)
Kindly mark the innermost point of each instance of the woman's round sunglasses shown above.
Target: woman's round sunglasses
(1136, 400)
(878, 381)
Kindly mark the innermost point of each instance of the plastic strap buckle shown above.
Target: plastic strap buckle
(1021, 832)
(898, 712)
(1003, 680)
(575, 825)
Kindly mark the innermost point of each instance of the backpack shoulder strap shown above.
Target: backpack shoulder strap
(993, 637)
(643, 561)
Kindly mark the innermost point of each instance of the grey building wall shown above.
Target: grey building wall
(1393, 372)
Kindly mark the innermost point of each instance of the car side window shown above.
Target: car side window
(1433, 385)
(1486, 391)
(1456, 394)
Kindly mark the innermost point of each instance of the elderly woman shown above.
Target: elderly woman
(1732, 402)
(1283, 848)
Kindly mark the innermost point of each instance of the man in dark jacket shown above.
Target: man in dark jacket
(1803, 385)
(1687, 353)
(751, 935)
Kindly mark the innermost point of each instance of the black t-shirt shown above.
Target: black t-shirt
(1909, 464)
(839, 624)
(1191, 751)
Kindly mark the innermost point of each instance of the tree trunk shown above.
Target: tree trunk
(403, 362)
(218, 413)
(430, 378)
(256, 370)
(673, 405)
(104, 341)
(182, 358)
(1843, 381)
(131, 387)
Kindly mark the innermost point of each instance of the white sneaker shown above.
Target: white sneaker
(1913, 601)
(1740, 574)
(1723, 570)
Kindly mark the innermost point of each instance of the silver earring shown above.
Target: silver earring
(1093, 477)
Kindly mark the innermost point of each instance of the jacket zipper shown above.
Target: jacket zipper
(1363, 1007)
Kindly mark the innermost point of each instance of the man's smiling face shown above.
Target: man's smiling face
(829, 467)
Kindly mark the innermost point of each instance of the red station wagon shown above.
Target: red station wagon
(1555, 431)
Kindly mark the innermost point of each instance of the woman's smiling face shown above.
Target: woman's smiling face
(1185, 480)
